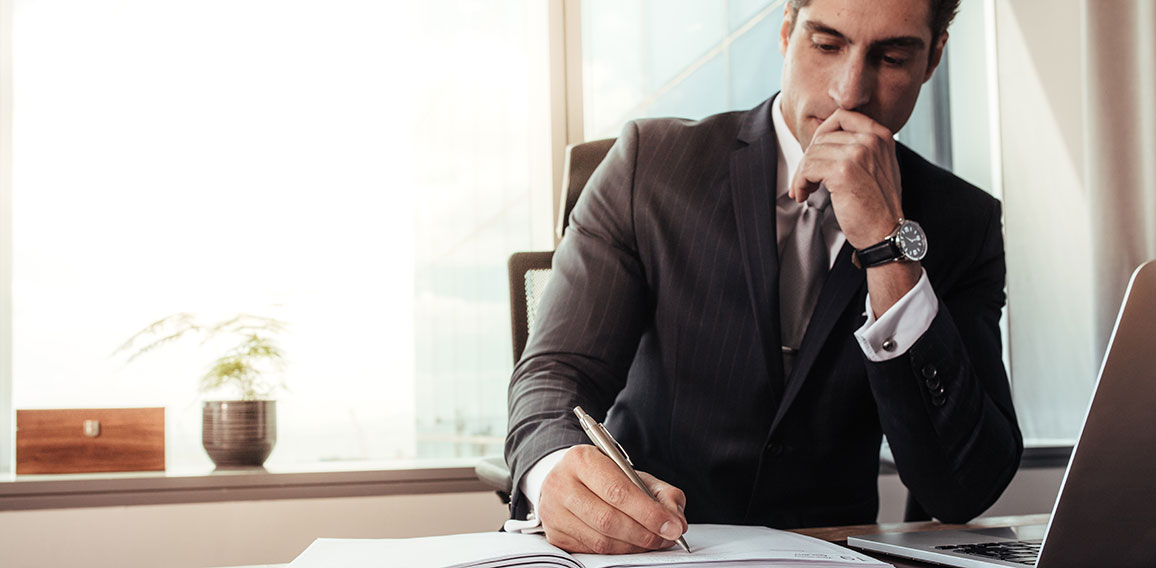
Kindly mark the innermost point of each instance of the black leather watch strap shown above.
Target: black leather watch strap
(877, 254)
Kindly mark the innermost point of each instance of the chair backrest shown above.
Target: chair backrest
(581, 161)
(529, 271)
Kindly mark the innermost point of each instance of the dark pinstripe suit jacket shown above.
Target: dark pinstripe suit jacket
(663, 312)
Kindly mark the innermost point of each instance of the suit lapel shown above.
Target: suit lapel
(753, 170)
(843, 283)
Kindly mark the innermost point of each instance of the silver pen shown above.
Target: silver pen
(613, 450)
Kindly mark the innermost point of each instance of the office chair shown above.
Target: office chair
(528, 274)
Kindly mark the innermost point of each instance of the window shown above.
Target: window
(360, 170)
(648, 58)
(694, 58)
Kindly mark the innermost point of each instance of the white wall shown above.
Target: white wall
(229, 533)
(1041, 104)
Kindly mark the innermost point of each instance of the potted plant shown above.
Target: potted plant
(237, 432)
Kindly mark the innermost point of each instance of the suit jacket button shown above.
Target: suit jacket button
(929, 371)
(888, 344)
(932, 383)
(774, 449)
(938, 400)
(937, 392)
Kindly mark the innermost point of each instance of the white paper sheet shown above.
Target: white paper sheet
(713, 546)
(731, 545)
(503, 549)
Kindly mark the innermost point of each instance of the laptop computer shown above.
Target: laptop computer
(1105, 513)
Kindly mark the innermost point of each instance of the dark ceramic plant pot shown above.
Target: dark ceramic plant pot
(239, 433)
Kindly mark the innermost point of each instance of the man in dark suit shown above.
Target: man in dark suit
(754, 299)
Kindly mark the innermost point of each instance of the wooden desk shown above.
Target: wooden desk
(839, 535)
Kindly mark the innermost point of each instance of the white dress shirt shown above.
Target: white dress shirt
(901, 325)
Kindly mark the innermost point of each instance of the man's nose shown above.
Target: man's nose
(852, 85)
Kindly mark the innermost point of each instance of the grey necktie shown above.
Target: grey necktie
(803, 265)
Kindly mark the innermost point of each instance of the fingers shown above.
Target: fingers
(614, 488)
(614, 507)
(854, 157)
(865, 143)
(816, 170)
(570, 543)
(852, 121)
(589, 505)
(860, 157)
(807, 179)
(670, 496)
(593, 527)
(861, 143)
(848, 180)
(874, 155)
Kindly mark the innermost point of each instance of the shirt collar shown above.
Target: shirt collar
(790, 151)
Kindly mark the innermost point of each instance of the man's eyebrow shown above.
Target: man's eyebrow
(900, 41)
(815, 27)
(820, 28)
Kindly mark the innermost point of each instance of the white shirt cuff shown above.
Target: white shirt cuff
(901, 326)
(531, 486)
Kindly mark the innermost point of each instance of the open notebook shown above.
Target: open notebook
(713, 546)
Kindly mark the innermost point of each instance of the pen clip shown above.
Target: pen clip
(616, 444)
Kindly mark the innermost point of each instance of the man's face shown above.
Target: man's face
(870, 57)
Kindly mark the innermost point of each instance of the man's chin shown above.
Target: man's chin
(810, 126)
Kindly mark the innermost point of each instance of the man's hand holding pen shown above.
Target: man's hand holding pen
(589, 505)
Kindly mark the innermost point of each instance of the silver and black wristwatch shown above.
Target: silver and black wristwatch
(906, 243)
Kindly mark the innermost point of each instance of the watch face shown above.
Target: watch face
(911, 241)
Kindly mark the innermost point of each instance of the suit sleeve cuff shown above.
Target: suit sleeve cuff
(531, 486)
(901, 326)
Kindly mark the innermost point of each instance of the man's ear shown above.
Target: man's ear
(785, 30)
(935, 56)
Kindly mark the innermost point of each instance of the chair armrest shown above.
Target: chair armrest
(492, 471)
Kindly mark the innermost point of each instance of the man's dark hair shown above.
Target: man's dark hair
(942, 13)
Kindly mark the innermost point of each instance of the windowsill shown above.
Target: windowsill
(1038, 453)
(1046, 453)
(305, 481)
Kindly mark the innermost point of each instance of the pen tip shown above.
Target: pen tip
(683, 544)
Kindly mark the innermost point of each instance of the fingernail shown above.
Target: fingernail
(670, 530)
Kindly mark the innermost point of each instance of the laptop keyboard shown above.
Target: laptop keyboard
(1018, 551)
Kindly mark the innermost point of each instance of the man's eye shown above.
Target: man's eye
(826, 47)
(894, 61)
